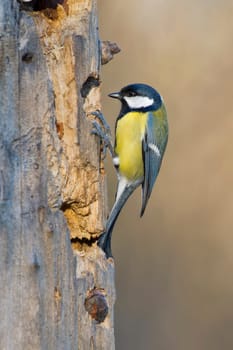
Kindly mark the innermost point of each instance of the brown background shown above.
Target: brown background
(174, 267)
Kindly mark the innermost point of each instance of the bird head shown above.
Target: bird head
(138, 97)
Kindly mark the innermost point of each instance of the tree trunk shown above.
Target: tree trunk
(57, 288)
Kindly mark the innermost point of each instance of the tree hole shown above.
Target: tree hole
(39, 5)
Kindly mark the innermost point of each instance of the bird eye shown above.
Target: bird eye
(131, 93)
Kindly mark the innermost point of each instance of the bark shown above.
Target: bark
(57, 289)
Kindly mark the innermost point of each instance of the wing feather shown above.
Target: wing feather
(153, 147)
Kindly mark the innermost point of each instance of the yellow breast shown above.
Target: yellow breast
(129, 134)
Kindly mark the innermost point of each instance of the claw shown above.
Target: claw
(104, 133)
(97, 130)
(98, 114)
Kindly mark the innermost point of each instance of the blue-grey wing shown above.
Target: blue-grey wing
(153, 147)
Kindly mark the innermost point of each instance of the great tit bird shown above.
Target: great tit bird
(141, 135)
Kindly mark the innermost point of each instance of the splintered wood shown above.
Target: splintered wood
(52, 182)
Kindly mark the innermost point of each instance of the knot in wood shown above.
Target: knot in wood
(96, 304)
(108, 50)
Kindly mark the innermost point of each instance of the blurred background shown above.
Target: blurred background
(174, 267)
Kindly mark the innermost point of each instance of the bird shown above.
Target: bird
(141, 134)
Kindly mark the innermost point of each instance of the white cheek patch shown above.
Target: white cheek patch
(155, 149)
(139, 101)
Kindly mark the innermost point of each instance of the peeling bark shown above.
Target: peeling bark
(52, 182)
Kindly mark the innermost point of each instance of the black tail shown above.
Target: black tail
(104, 241)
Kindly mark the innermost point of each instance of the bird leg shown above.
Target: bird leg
(103, 132)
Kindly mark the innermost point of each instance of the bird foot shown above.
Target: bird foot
(103, 132)
(99, 115)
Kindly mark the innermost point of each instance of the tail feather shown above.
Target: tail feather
(104, 241)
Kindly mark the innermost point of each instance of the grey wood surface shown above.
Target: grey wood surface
(52, 182)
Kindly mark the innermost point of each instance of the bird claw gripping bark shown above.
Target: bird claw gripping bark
(103, 131)
(99, 115)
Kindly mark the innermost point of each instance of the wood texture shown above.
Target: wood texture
(52, 183)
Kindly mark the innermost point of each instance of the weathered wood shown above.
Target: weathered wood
(52, 183)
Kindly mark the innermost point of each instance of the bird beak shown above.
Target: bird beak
(115, 95)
